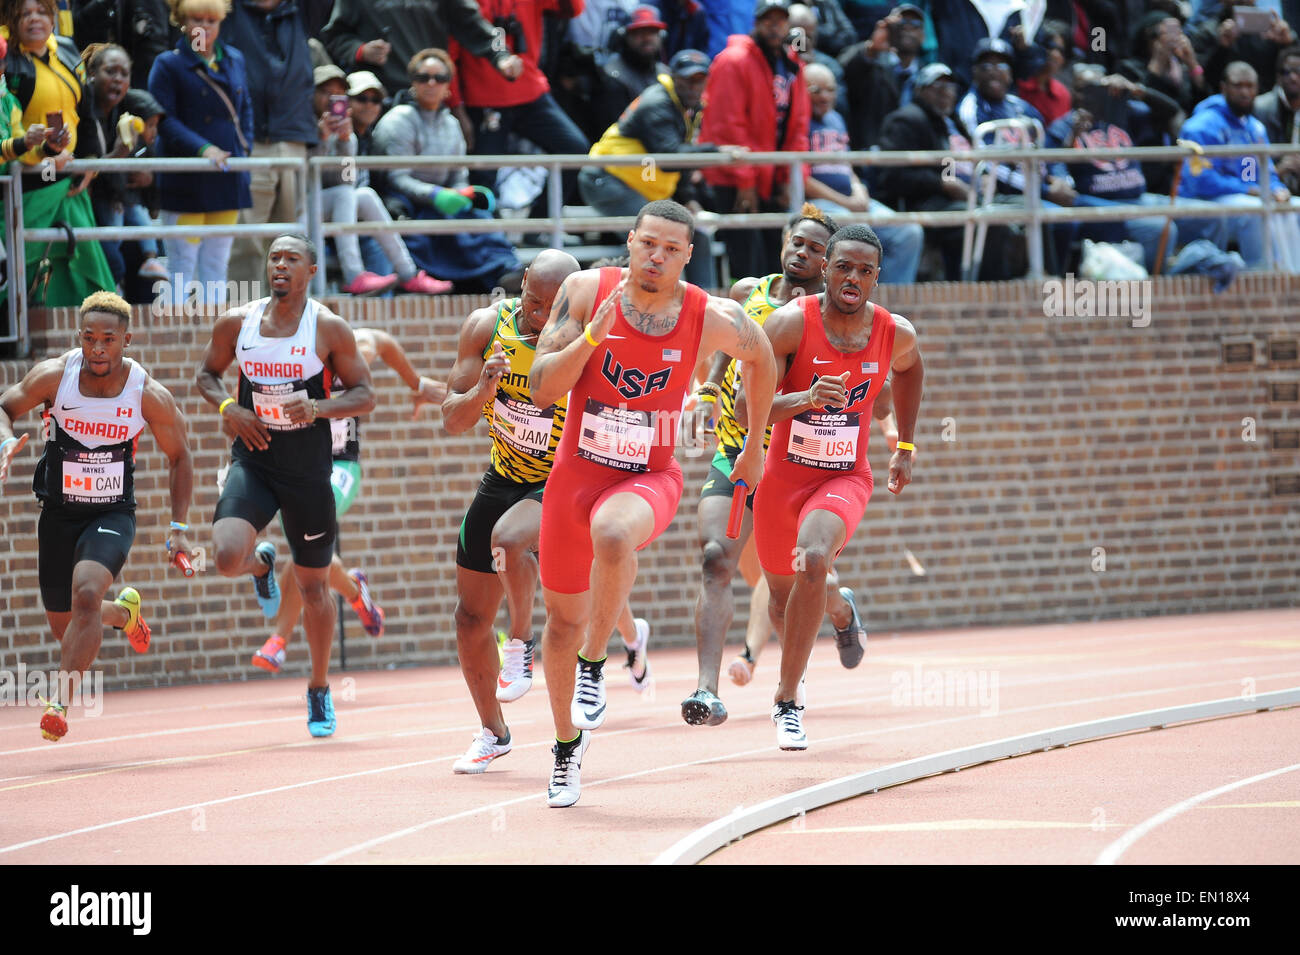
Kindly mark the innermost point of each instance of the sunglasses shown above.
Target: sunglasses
(373, 100)
(431, 78)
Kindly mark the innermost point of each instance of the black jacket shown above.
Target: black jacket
(278, 61)
(912, 127)
(410, 26)
(658, 122)
(141, 27)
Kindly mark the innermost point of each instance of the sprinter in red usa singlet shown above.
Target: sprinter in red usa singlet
(623, 344)
(833, 352)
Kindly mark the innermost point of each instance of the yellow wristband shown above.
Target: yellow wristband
(906, 446)
(705, 396)
(221, 408)
(586, 333)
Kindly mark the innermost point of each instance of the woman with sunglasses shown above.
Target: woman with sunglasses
(426, 127)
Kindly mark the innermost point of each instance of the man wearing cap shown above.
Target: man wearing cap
(991, 99)
(637, 62)
(928, 123)
(273, 38)
(663, 119)
(760, 101)
(347, 199)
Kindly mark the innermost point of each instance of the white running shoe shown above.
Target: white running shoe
(636, 659)
(516, 676)
(588, 708)
(484, 748)
(566, 779)
(788, 717)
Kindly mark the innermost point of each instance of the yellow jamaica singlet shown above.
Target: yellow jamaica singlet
(731, 434)
(524, 437)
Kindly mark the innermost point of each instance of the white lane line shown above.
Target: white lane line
(74, 774)
(674, 725)
(411, 830)
(1001, 647)
(1026, 680)
(1111, 854)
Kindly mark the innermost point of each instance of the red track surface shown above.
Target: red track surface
(227, 773)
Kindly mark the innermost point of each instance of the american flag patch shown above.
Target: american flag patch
(598, 441)
(672, 354)
(811, 445)
(871, 367)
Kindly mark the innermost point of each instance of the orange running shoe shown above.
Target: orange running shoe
(136, 630)
(54, 724)
(271, 657)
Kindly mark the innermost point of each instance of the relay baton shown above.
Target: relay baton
(739, 491)
(182, 561)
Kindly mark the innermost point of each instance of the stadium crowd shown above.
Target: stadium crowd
(222, 79)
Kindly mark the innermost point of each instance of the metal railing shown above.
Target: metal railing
(1033, 214)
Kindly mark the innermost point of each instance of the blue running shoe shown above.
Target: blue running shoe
(266, 587)
(320, 712)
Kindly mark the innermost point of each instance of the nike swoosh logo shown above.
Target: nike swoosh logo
(72, 408)
(312, 537)
(105, 530)
(648, 488)
(838, 498)
(598, 712)
(247, 347)
(818, 361)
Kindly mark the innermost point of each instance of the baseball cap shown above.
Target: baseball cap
(688, 63)
(907, 8)
(765, 7)
(645, 18)
(932, 73)
(327, 72)
(363, 80)
(994, 46)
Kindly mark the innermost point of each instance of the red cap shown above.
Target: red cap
(646, 17)
(4, 50)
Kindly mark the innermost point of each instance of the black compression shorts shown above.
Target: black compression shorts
(65, 539)
(494, 497)
(306, 509)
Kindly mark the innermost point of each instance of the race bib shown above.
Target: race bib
(94, 477)
(823, 439)
(615, 437)
(340, 432)
(269, 402)
(523, 426)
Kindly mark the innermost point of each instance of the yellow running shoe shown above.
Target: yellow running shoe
(136, 630)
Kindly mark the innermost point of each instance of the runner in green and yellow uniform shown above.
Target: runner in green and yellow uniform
(496, 550)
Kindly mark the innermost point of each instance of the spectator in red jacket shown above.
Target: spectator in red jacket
(760, 101)
(498, 106)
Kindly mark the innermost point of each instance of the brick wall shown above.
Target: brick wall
(1041, 440)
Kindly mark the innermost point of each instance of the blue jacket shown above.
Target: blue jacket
(278, 60)
(1213, 123)
(195, 117)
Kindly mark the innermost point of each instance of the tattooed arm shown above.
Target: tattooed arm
(562, 349)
